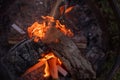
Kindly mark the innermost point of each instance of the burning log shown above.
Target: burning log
(53, 68)
(65, 50)
(71, 57)
(36, 66)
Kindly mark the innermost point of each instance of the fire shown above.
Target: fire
(46, 70)
(67, 10)
(47, 30)
(48, 57)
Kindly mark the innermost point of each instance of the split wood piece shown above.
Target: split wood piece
(35, 75)
(62, 71)
(72, 59)
(53, 67)
(34, 67)
(17, 28)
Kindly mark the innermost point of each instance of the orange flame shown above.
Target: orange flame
(40, 30)
(67, 10)
(46, 70)
(47, 57)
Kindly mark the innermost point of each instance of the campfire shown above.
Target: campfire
(53, 33)
(53, 65)
(62, 58)
(49, 31)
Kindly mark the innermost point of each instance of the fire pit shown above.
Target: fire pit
(60, 46)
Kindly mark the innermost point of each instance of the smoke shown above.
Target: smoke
(52, 35)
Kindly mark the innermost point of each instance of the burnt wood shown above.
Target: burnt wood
(70, 55)
(22, 56)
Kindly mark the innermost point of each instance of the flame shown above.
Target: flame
(47, 57)
(40, 31)
(67, 10)
(37, 31)
(46, 70)
(59, 62)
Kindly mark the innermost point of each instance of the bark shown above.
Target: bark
(72, 59)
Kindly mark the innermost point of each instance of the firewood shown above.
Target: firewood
(62, 71)
(34, 67)
(17, 28)
(53, 68)
(72, 59)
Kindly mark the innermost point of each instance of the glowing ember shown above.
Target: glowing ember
(47, 57)
(48, 30)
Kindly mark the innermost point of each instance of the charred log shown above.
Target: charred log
(71, 57)
(21, 57)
